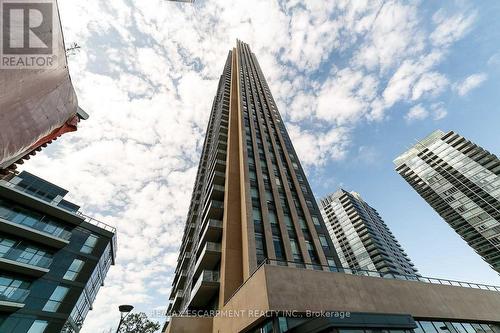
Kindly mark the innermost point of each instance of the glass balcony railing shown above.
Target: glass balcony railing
(214, 247)
(21, 256)
(209, 276)
(16, 295)
(43, 225)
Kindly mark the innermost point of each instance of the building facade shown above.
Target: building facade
(360, 236)
(53, 259)
(251, 199)
(461, 181)
(256, 255)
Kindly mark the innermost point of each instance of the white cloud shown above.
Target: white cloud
(494, 60)
(410, 79)
(318, 147)
(418, 112)
(438, 111)
(393, 35)
(449, 29)
(346, 97)
(470, 83)
(431, 83)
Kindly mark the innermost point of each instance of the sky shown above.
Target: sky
(357, 82)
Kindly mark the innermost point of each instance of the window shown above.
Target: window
(302, 223)
(283, 324)
(13, 290)
(469, 328)
(441, 327)
(427, 327)
(268, 328)
(331, 262)
(323, 240)
(89, 245)
(272, 217)
(32, 256)
(259, 247)
(5, 245)
(56, 299)
(73, 270)
(257, 216)
(38, 326)
(278, 248)
(315, 220)
(312, 251)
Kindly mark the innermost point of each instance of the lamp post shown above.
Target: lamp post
(124, 312)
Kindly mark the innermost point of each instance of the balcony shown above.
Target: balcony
(176, 303)
(180, 280)
(187, 242)
(11, 262)
(216, 192)
(213, 209)
(185, 260)
(12, 299)
(217, 177)
(208, 259)
(190, 230)
(219, 154)
(205, 288)
(218, 165)
(38, 231)
(212, 232)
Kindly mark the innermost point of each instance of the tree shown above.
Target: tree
(139, 323)
(73, 49)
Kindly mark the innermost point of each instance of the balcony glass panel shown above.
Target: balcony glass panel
(13, 290)
(31, 219)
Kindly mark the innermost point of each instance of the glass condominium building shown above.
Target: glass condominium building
(461, 181)
(53, 259)
(361, 237)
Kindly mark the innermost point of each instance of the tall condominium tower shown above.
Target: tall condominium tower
(461, 181)
(251, 199)
(361, 238)
(256, 255)
(53, 259)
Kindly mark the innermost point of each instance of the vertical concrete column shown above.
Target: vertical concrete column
(232, 247)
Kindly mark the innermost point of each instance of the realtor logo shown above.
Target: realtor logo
(27, 34)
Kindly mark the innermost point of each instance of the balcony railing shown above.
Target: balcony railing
(86, 218)
(392, 276)
(15, 295)
(16, 254)
(205, 288)
(209, 276)
(208, 257)
(40, 225)
(104, 226)
(97, 223)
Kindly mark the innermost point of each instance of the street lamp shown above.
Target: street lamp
(124, 312)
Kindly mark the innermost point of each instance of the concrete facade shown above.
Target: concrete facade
(277, 288)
